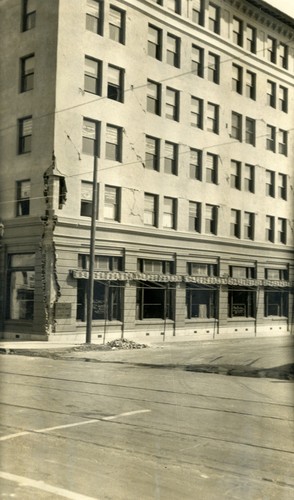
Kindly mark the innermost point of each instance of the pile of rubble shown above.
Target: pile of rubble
(125, 344)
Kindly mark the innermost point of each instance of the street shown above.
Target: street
(129, 425)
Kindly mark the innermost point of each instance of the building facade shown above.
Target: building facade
(188, 108)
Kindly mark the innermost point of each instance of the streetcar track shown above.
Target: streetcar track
(128, 387)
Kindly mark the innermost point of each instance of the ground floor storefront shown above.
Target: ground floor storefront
(145, 296)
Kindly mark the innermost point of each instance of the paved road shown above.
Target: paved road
(126, 430)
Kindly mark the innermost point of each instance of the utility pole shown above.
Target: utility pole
(90, 288)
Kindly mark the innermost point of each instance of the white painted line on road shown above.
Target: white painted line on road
(127, 414)
(76, 424)
(40, 485)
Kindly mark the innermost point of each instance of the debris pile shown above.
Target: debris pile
(125, 344)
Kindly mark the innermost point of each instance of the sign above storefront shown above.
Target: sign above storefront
(176, 278)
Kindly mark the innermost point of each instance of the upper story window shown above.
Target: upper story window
(86, 199)
(242, 272)
(283, 142)
(282, 186)
(271, 138)
(235, 177)
(237, 78)
(282, 230)
(94, 16)
(249, 222)
(150, 209)
(271, 93)
(212, 120)
(250, 85)
(235, 223)
(236, 127)
(276, 274)
(198, 12)
(23, 194)
(92, 77)
(197, 61)
(172, 104)
(174, 5)
(155, 266)
(155, 42)
(113, 149)
(195, 167)
(250, 131)
(91, 132)
(214, 18)
(213, 68)
(153, 97)
(251, 39)
(170, 158)
(116, 24)
(211, 165)
(169, 212)
(283, 99)
(271, 49)
(249, 178)
(194, 216)
(270, 228)
(27, 73)
(111, 203)
(101, 262)
(152, 153)
(173, 50)
(237, 31)
(29, 14)
(115, 83)
(283, 56)
(25, 126)
(210, 218)
(202, 269)
(196, 112)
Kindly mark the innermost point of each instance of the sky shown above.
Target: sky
(286, 6)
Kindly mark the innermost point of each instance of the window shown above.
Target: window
(270, 228)
(250, 131)
(242, 272)
(113, 150)
(101, 262)
(171, 158)
(271, 93)
(241, 302)
(201, 302)
(237, 78)
(194, 216)
(236, 130)
(29, 14)
(235, 178)
(271, 138)
(21, 287)
(197, 61)
(276, 302)
(115, 83)
(214, 18)
(271, 49)
(154, 301)
(154, 42)
(86, 199)
(210, 219)
(235, 223)
(212, 117)
(250, 85)
(112, 203)
(277, 274)
(283, 142)
(174, 5)
(282, 230)
(198, 12)
(172, 104)
(25, 126)
(116, 24)
(237, 31)
(107, 300)
(94, 16)
(23, 193)
(195, 164)
(270, 183)
(213, 67)
(249, 178)
(91, 130)
(211, 168)
(282, 186)
(202, 269)
(27, 73)
(155, 266)
(92, 77)
(249, 225)
(283, 56)
(196, 112)
(153, 97)
(173, 50)
(283, 99)
(251, 39)
(150, 209)
(152, 153)
(169, 213)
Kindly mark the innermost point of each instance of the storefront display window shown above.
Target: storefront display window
(200, 302)
(107, 301)
(21, 287)
(242, 303)
(276, 302)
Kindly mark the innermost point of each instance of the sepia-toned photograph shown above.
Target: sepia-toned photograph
(147, 249)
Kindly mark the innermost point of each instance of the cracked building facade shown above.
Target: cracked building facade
(188, 106)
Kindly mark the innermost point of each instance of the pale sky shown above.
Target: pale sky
(286, 6)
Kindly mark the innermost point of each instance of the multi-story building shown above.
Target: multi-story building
(188, 106)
